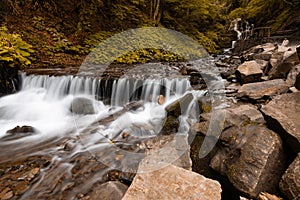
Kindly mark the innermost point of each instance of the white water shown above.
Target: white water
(44, 103)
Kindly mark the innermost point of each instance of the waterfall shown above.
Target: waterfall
(44, 103)
(120, 91)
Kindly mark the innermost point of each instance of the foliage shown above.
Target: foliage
(14, 52)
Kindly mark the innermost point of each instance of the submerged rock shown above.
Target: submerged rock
(283, 115)
(176, 108)
(290, 182)
(82, 106)
(22, 129)
(19, 132)
(172, 182)
(249, 72)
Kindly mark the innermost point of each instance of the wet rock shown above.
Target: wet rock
(170, 126)
(82, 106)
(290, 182)
(205, 104)
(262, 90)
(282, 63)
(172, 182)
(161, 100)
(249, 72)
(176, 108)
(19, 132)
(297, 83)
(282, 115)
(111, 190)
(22, 129)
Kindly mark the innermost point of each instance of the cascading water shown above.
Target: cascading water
(44, 103)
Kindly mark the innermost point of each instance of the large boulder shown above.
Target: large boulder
(249, 72)
(259, 162)
(172, 182)
(82, 106)
(261, 90)
(248, 154)
(290, 182)
(283, 115)
(282, 63)
(251, 157)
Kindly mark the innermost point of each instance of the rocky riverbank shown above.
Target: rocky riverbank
(244, 147)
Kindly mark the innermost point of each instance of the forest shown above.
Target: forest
(45, 33)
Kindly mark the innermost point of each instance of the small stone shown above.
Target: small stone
(161, 100)
(7, 193)
(33, 173)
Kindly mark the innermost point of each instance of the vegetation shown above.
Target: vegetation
(14, 54)
(63, 32)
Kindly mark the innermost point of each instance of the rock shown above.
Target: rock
(111, 190)
(7, 193)
(292, 76)
(82, 106)
(252, 158)
(249, 111)
(283, 115)
(263, 64)
(266, 196)
(175, 151)
(290, 182)
(19, 132)
(282, 63)
(249, 72)
(170, 126)
(298, 51)
(293, 89)
(172, 182)
(247, 153)
(161, 100)
(176, 108)
(297, 83)
(22, 129)
(266, 89)
(263, 56)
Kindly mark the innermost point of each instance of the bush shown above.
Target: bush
(14, 54)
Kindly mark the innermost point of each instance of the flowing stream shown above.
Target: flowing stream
(44, 103)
